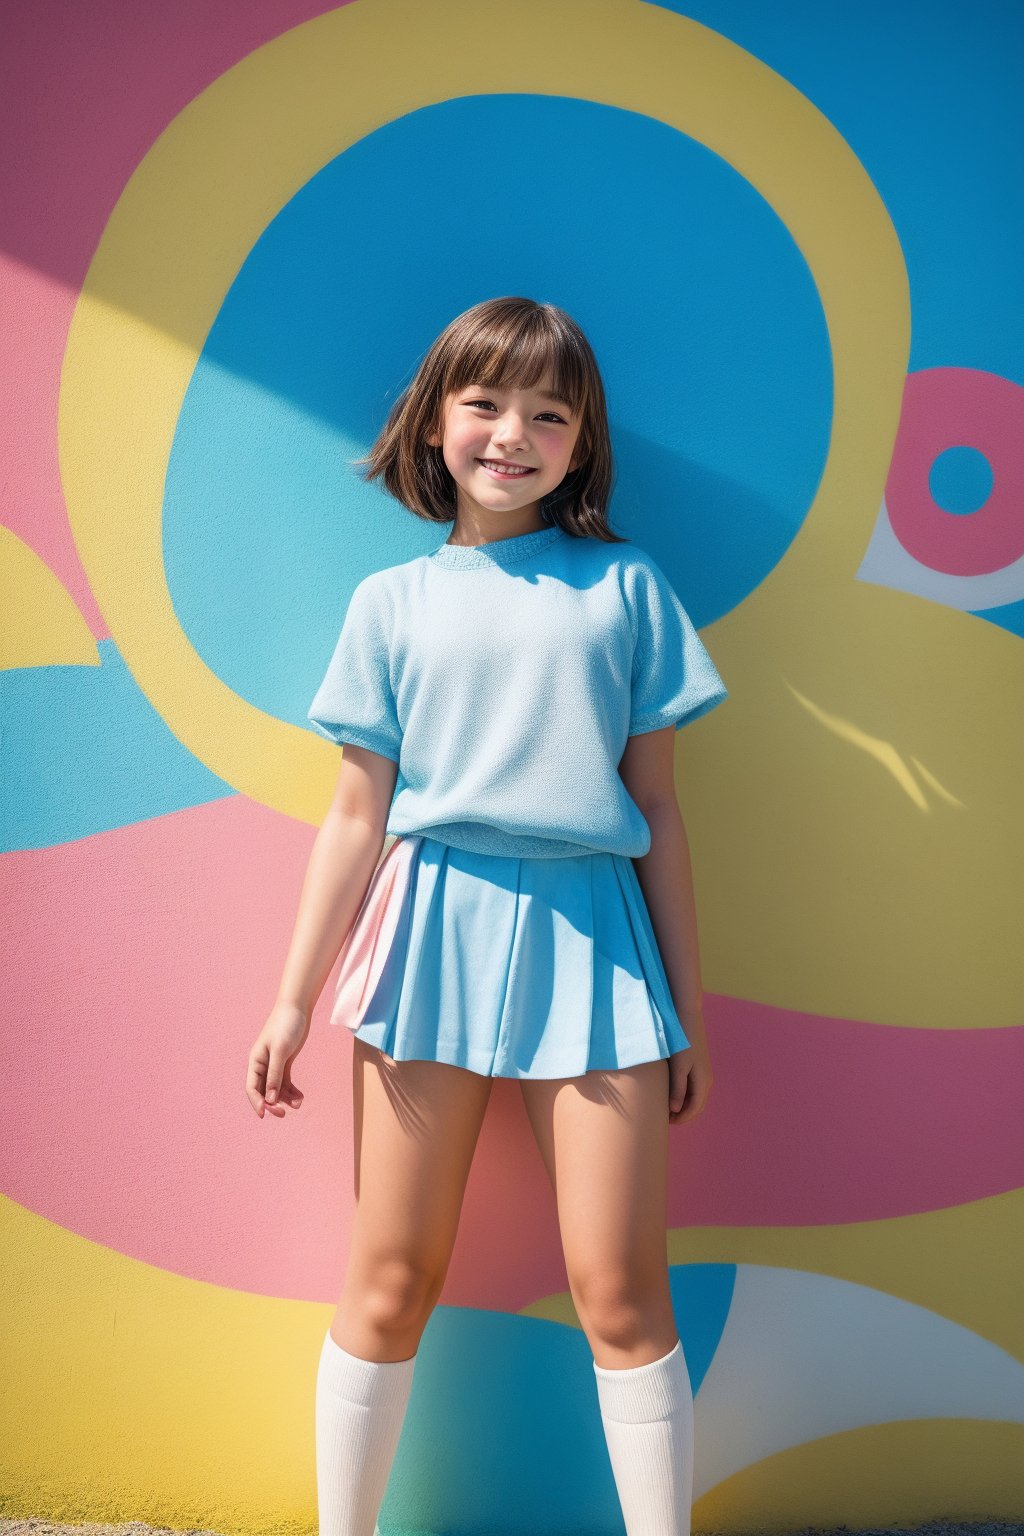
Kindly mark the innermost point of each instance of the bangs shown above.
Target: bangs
(518, 355)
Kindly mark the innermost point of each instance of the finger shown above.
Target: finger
(677, 1092)
(692, 1105)
(291, 1091)
(254, 1083)
(278, 1084)
(695, 1103)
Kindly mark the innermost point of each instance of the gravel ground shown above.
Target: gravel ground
(932, 1528)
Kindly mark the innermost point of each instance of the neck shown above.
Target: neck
(485, 528)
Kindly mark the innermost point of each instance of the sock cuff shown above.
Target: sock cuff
(372, 1383)
(638, 1394)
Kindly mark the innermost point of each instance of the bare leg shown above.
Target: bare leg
(604, 1141)
(416, 1127)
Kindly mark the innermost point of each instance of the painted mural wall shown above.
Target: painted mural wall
(793, 234)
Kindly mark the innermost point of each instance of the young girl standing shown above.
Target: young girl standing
(508, 706)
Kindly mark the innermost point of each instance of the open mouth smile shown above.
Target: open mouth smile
(502, 471)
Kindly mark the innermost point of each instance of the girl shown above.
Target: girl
(508, 706)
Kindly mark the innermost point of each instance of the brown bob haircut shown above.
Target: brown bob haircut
(500, 343)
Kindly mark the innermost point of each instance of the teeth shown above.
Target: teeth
(505, 469)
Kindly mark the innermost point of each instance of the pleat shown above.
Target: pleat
(543, 1024)
(522, 967)
(649, 955)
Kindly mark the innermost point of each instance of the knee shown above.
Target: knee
(618, 1305)
(398, 1294)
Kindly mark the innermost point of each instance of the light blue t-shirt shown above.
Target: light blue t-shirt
(504, 680)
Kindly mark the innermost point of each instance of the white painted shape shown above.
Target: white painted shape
(806, 1355)
(887, 564)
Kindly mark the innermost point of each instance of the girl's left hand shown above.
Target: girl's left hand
(689, 1083)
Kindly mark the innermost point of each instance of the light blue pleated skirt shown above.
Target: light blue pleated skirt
(522, 967)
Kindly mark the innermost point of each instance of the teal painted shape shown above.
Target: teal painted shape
(718, 375)
(1009, 615)
(884, 76)
(503, 1433)
(83, 751)
(701, 1298)
(960, 480)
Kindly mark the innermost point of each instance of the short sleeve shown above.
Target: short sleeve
(355, 702)
(674, 679)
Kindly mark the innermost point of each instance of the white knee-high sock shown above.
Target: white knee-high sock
(647, 1413)
(360, 1409)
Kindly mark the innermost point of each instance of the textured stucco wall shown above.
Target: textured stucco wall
(793, 233)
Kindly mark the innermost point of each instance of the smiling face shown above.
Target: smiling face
(506, 449)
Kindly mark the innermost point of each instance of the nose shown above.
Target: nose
(510, 431)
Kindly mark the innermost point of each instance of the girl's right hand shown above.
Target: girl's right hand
(268, 1084)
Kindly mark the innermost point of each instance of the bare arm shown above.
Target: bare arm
(343, 858)
(666, 878)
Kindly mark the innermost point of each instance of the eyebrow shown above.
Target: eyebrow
(541, 394)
